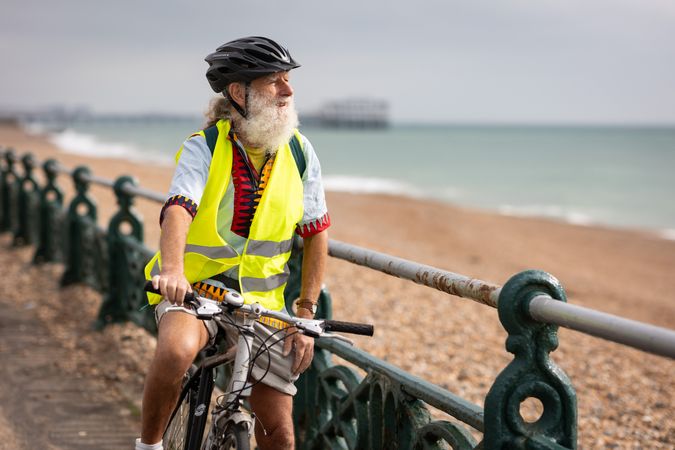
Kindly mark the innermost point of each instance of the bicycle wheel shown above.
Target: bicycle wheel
(176, 434)
(235, 437)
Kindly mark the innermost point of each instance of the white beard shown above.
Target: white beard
(268, 126)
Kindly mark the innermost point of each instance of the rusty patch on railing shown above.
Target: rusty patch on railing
(451, 283)
(474, 289)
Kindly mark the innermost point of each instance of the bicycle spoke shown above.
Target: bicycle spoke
(174, 438)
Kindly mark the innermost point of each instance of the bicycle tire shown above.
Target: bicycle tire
(176, 433)
(235, 437)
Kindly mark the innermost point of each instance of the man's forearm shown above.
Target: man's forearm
(314, 258)
(173, 237)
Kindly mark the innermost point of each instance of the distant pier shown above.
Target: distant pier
(351, 113)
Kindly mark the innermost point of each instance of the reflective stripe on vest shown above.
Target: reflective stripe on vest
(262, 265)
(269, 248)
(249, 284)
(223, 251)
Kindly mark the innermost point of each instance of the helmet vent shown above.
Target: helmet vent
(262, 55)
(240, 62)
(274, 50)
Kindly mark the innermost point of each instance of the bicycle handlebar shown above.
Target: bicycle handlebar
(206, 309)
(349, 327)
(190, 297)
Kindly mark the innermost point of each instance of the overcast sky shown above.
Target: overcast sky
(538, 61)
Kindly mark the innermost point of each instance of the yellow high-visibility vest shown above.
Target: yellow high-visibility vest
(263, 271)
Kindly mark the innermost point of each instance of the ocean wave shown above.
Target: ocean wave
(547, 211)
(88, 145)
(74, 142)
(668, 233)
(367, 185)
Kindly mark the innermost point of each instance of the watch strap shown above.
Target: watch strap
(306, 304)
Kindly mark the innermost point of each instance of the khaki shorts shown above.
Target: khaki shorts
(279, 376)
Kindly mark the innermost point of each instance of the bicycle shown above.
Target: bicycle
(231, 424)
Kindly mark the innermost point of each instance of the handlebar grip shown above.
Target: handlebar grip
(349, 327)
(189, 296)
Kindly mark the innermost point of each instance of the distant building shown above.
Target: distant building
(351, 113)
(53, 118)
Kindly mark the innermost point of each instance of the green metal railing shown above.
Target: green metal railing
(335, 407)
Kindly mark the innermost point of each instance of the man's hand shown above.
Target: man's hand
(304, 349)
(172, 285)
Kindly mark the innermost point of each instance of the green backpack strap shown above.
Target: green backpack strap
(211, 136)
(298, 155)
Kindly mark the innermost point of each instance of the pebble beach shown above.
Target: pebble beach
(626, 398)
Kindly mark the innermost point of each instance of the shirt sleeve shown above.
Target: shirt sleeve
(189, 178)
(315, 218)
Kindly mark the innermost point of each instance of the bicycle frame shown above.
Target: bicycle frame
(199, 415)
(239, 386)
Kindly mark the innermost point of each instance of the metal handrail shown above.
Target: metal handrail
(640, 335)
(442, 280)
(650, 338)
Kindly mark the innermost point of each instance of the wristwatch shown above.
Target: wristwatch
(306, 304)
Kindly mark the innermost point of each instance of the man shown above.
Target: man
(227, 196)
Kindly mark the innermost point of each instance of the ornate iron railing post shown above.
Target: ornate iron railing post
(28, 219)
(77, 222)
(125, 276)
(51, 226)
(531, 374)
(9, 187)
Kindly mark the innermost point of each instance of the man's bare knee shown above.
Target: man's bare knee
(274, 411)
(281, 437)
(175, 358)
(179, 340)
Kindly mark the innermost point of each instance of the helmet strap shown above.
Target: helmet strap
(241, 110)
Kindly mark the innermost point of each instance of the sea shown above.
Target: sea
(612, 176)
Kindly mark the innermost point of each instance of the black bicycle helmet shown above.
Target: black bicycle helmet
(245, 60)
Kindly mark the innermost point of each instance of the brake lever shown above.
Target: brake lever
(309, 327)
(182, 309)
(312, 328)
(206, 309)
